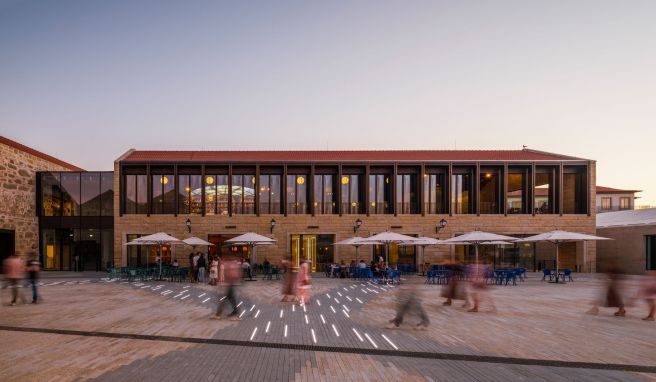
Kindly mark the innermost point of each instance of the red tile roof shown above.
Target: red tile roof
(344, 156)
(39, 154)
(610, 190)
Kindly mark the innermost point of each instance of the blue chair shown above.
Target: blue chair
(547, 272)
(567, 273)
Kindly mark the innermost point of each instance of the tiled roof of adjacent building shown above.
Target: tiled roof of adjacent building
(38, 154)
(610, 190)
(626, 218)
(344, 155)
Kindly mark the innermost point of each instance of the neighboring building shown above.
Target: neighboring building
(18, 219)
(613, 199)
(633, 247)
(307, 200)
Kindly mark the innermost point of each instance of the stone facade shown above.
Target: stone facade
(18, 165)
(627, 249)
(579, 254)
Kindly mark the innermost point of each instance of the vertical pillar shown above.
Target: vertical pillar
(257, 190)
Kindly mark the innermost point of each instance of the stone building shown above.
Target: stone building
(613, 199)
(18, 219)
(633, 248)
(308, 200)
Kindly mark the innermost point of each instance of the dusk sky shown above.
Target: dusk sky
(86, 80)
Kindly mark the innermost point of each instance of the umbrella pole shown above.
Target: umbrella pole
(357, 247)
(160, 262)
(476, 252)
(557, 248)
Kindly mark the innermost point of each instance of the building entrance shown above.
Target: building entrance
(318, 249)
(7, 244)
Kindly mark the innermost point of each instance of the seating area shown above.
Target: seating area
(563, 274)
(172, 274)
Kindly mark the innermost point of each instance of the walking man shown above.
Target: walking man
(14, 267)
(409, 302)
(33, 269)
(232, 278)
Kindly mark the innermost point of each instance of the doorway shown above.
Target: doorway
(7, 244)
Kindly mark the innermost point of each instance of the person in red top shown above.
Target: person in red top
(14, 268)
(232, 278)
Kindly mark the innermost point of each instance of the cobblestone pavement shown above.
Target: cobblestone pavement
(112, 329)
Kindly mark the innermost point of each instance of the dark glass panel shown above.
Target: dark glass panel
(50, 194)
(142, 194)
(163, 199)
(574, 193)
(516, 194)
(544, 192)
(434, 193)
(274, 186)
(107, 194)
(70, 184)
(248, 191)
(90, 200)
(489, 192)
(461, 192)
(264, 194)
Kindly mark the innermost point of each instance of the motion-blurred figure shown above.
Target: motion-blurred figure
(455, 289)
(232, 279)
(409, 303)
(613, 296)
(648, 292)
(479, 287)
(289, 285)
(33, 269)
(13, 267)
(304, 283)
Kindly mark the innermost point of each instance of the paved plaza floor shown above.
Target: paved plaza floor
(91, 327)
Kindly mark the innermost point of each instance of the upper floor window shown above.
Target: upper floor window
(490, 192)
(406, 194)
(351, 199)
(216, 195)
(517, 192)
(625, 203)
(70, 186)
(297, 194)
(243, 194)
(136, 194)
(324, 197)
(190, 194)
(461, 194)
(544, 190)
(380, 192)
(107, 194)
(269, 194)
(434, 190)
(606, 203)
(574, 190)
(163, 198)
(50, 194)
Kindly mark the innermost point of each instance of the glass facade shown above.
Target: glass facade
(351, 199)
(216, 195)
(243, 194)
(434, 193)
(516, 193)
(574, 191)
(269, 194)
(406, 194)
(190, 194)
(163, 199)
(380, 194)
(297, 194)
(136, 194)
(544, 191)
(461, 194)
(76, 220)
(324, 198)
(490, 192)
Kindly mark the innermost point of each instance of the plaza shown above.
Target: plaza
(111, 329)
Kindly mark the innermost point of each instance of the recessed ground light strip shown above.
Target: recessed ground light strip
(370, 340)
(358, 335)
(253, 334)
(314, 337)
(390, 342)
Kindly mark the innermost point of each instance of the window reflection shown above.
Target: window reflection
(189, 194)
(163, 199)
(351, 201)
(323, 195)
(107, 194)
(70, 185)
(243, 194)
(489, 192)
(434, 193)
(406, 191)
(90, 200)
(516, 195)
(50, 194)
(574, 190)
(269, 194)
(544, 191)
(379, 194)
(461, 194)
(297, 194)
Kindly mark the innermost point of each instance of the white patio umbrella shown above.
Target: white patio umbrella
(251, 239)
(423, 242)
(557, 236)
(477, 238)
(387, 238)
(160, 239)
(194, 241)
(353, 241)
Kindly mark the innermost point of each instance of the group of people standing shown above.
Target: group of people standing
(206, 268)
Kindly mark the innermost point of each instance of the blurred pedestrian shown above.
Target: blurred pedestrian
(409, 303)
(455, 289)
(33, 268)
(195, 266)
(648, 292)
(192, 267)
(232, 279)
(304, 282)
(613, 296)
(221, 271)
(201, 265)
(289, 285)
(14, 267)
(479, 287)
